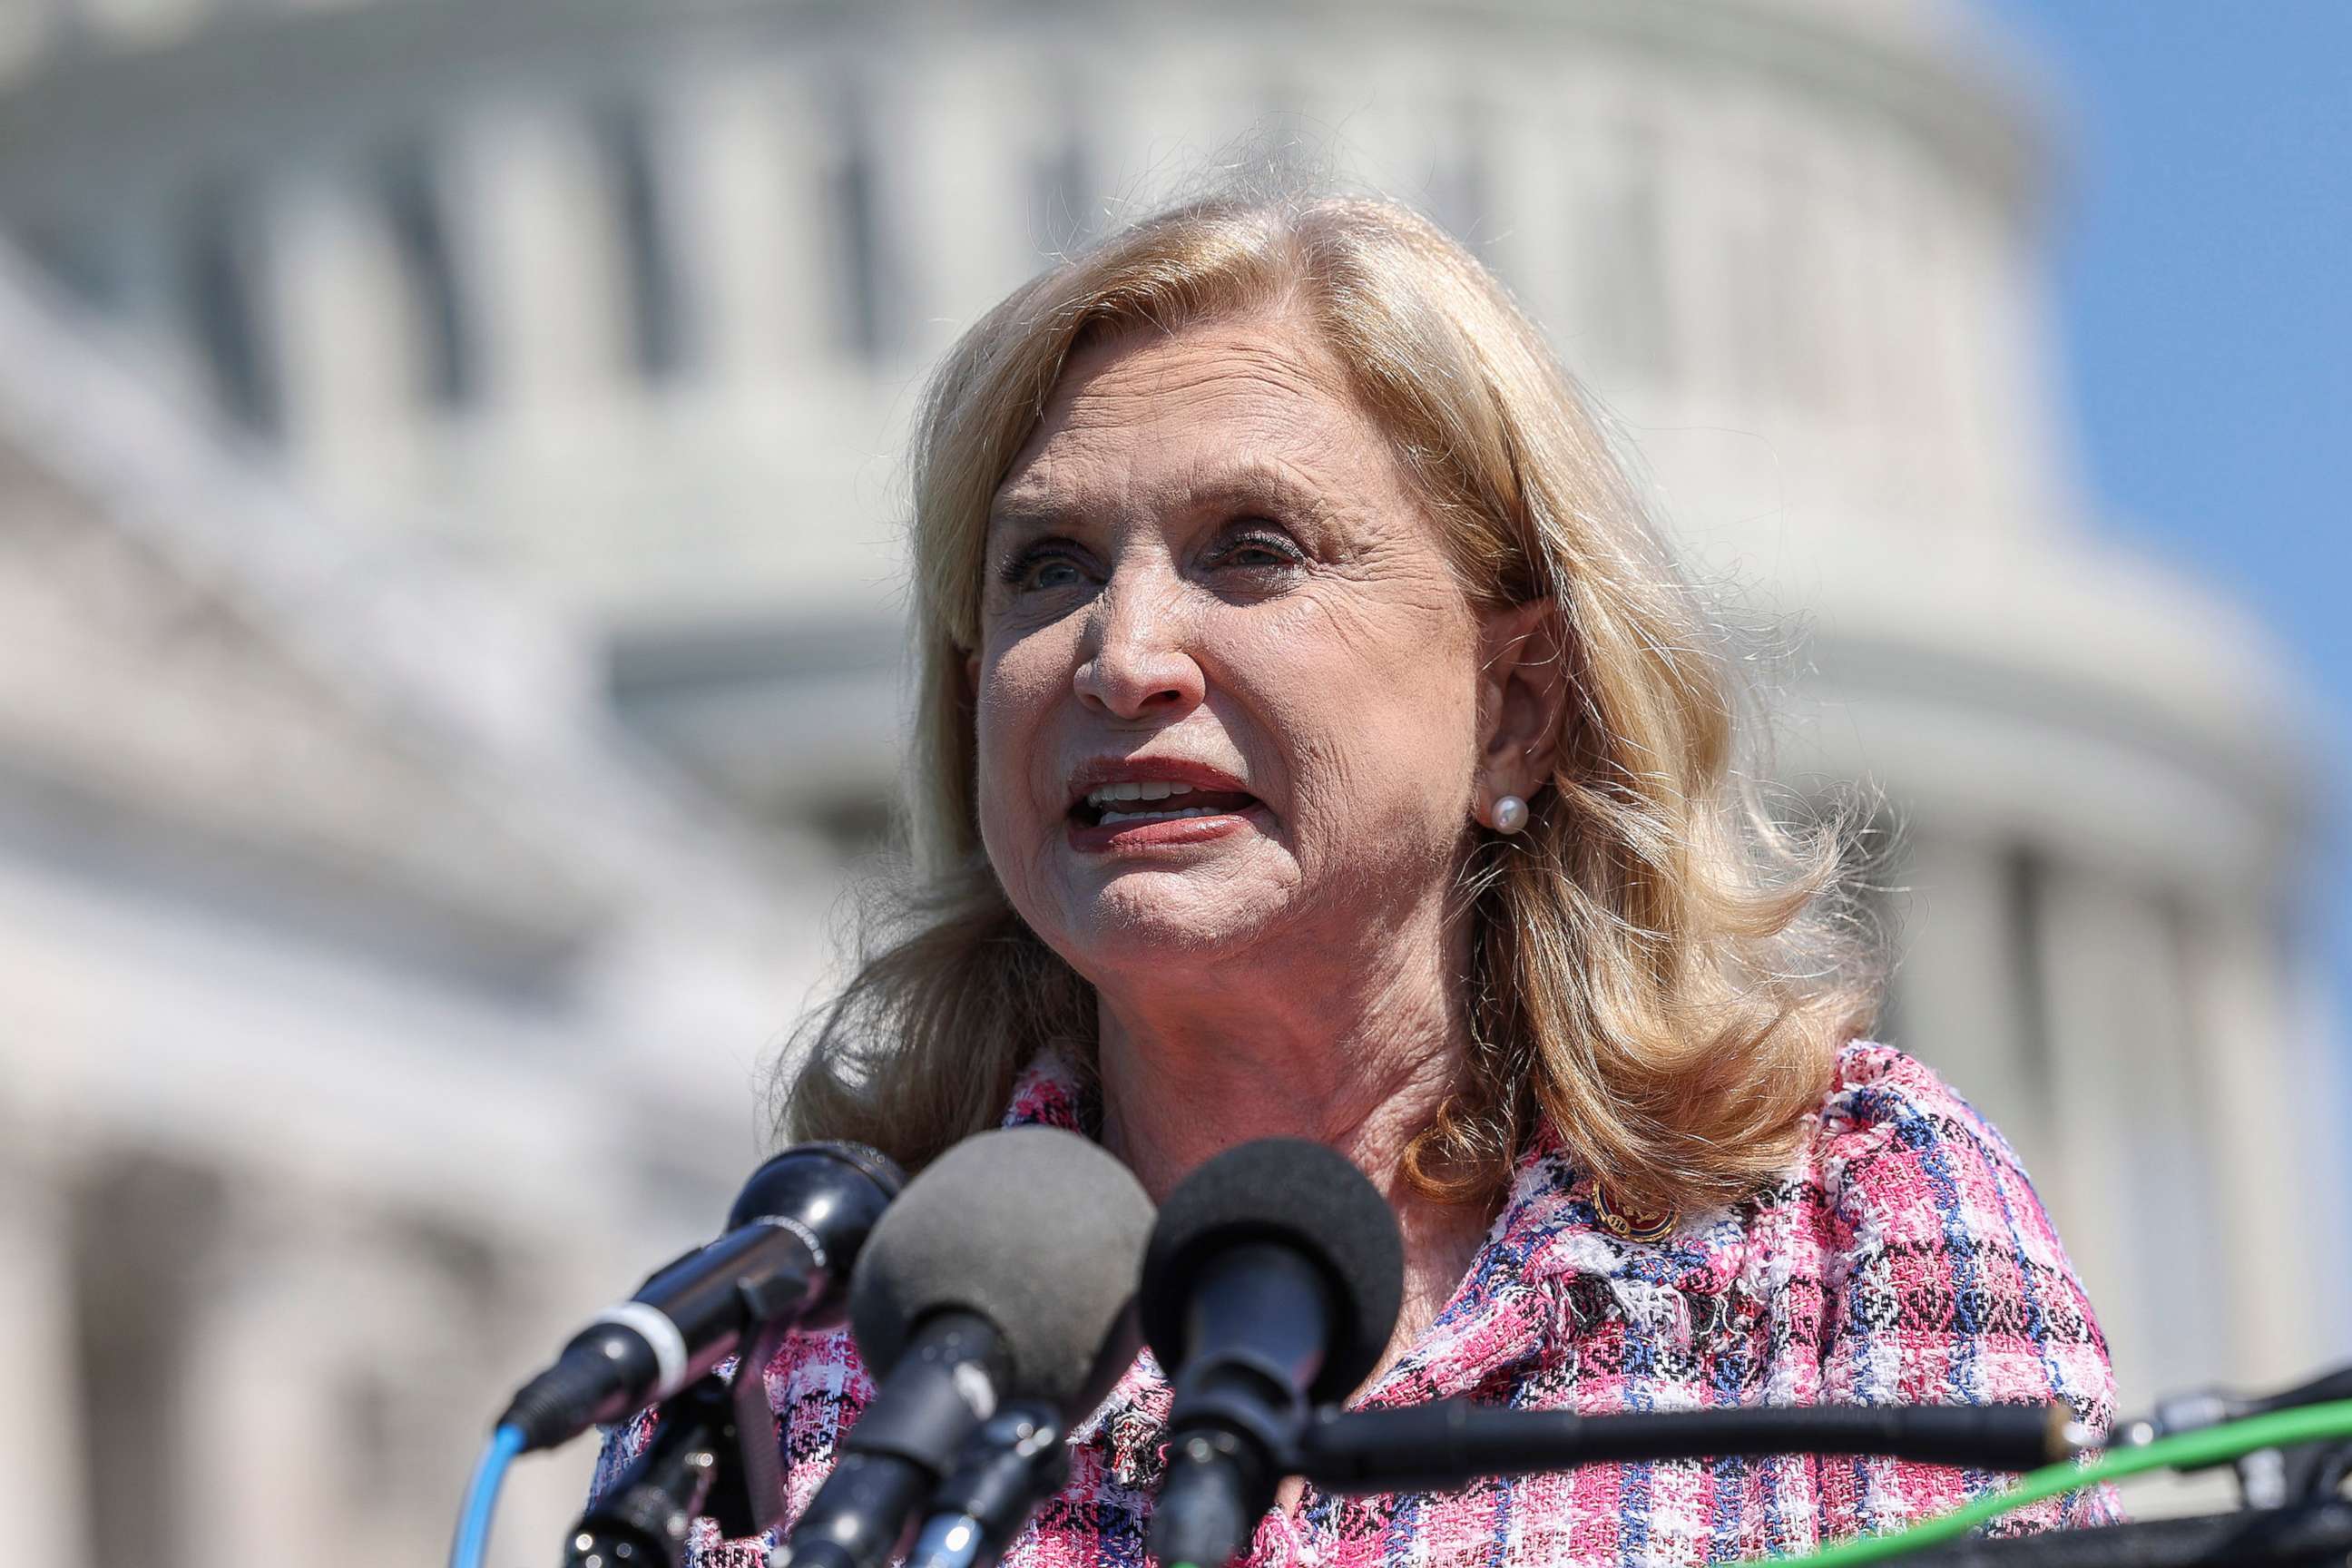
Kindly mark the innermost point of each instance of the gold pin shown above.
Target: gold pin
(1638, 1227)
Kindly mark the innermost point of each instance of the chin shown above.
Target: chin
(1143, 919)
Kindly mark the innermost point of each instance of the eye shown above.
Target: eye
(1258, 546)
(1043, 567)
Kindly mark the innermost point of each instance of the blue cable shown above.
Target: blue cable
(482, 1499)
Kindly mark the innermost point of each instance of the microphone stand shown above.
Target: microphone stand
(1448, 1443)
(1016, 1461)
(713, 1452)
(2295, 1516)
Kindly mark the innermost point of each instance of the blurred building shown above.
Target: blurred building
(371, 1006)
(447, 446)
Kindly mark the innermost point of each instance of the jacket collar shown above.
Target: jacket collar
(1552, 1229)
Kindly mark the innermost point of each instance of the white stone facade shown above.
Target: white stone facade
(374, 1009)
(630, 303)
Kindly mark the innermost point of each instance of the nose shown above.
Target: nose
(1136, 662)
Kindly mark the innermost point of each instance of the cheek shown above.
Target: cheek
(1014, 702)
(1401, 774)
(1378, 711)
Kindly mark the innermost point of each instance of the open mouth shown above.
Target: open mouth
(1148, 801)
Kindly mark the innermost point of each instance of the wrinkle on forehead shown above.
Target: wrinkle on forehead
(1277, 351)
(1263, 381)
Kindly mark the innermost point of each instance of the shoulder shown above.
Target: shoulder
(1888, 1148)
(1946, 1275)
(1944, 1282)
(1878, 1095)
(1898, 1155)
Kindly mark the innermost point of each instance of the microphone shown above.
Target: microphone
(791, 1237)
(1272, 1284)
(1007, 1272)
(1014, 1463)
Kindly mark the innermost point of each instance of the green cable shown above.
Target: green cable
(2211, 1444)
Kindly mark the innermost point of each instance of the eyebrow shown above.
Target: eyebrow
(1028, 511)
(1248, 481)
(1253, 480)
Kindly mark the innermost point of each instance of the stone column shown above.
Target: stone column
(1964, 991)
(536, 227)
(2134, 1198)
(1533, 178)
(2258, 1109)
(750, 207)
(950, 193)
(41, 1442)
(264, 1451)
(350, 353)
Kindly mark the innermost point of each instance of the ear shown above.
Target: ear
(1522, 697)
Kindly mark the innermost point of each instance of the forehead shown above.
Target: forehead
(1150, 407)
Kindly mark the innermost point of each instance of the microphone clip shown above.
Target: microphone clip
(1240, 1434)
(1016, 1461)
(713, 1451)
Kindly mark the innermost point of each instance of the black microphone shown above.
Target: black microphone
(1016, 1461)
(1271, 1285)
(791, 1239)
(1007, 1272)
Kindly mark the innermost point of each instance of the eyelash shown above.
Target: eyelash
(1268, 539)
(1018, 568)
(1014, 573)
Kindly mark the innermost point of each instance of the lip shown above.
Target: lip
(1177, 834)
(1097, 771)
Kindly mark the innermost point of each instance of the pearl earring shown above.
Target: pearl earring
(1510, 814)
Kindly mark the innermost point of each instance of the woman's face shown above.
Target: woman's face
(1228, 684)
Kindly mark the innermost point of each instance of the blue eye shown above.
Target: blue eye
(1042, 568)
(1258, 549)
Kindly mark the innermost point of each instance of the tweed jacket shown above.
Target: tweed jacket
(1902, 1256)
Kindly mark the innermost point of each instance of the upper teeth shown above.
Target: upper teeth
(1140, 789)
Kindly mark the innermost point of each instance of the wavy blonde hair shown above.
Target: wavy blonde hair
(1662, 972)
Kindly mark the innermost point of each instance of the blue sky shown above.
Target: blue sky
(2203, 271)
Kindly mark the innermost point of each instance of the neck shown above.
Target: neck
(1357, 1054)
(1184, 1083)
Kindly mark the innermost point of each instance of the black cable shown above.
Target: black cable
(2309, 1533)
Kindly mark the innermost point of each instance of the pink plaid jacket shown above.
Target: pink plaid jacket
(1903, 1256)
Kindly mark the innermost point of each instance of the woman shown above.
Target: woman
(1315, 740)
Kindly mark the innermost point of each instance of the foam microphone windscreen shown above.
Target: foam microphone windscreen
(1035, 1229)
(1298, 1195)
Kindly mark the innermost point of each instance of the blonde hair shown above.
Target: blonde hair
(1661, 972)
